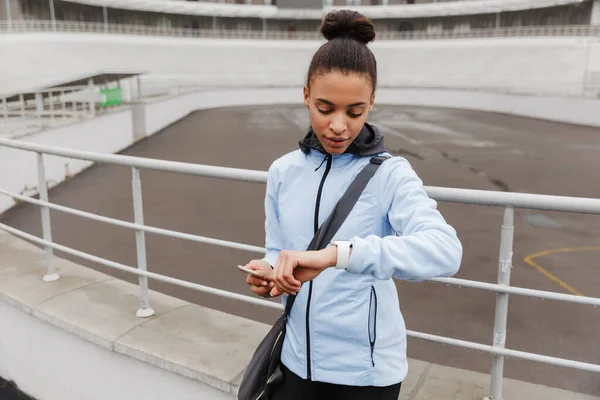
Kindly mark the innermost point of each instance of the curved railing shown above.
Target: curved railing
(21, 26)
(509, 201)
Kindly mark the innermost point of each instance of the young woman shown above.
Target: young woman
(346, 337)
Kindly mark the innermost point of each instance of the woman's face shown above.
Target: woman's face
(338, 104)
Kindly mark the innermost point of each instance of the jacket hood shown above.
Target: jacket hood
(369, 142)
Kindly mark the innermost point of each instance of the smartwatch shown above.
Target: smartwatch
(343, 253)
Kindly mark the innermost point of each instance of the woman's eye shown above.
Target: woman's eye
(324, 111)
(352, 115)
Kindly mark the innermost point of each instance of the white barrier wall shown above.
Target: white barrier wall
(536, 64)
(160, 114)
(108, 133)
(572, 110)
(50, 364)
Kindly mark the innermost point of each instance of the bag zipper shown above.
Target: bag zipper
(275, 345)
(310, 287)
(374, 338)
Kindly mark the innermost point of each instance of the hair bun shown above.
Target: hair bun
(347, 23)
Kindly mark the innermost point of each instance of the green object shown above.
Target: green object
(111, 97)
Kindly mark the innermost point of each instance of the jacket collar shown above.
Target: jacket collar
(369, 142)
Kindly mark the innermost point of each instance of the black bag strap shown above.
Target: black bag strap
(340, 212)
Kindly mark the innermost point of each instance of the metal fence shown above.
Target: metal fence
(509, 201)
(46, 108)
(21, 26)
(27, 113)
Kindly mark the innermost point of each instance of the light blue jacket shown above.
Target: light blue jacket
(346, 327)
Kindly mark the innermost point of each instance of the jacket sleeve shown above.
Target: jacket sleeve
(273, 235)
(425, 247)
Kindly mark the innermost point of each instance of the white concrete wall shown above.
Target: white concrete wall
(50, 364)
(570, 110)
(105, 134)
(514, 65)
(163, 113)
(536, 65)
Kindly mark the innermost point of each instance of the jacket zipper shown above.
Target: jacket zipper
(374, 336)
(310, 288)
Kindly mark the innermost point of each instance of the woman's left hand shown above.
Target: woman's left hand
(296, 267)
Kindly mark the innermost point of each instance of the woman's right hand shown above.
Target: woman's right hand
(258, 286)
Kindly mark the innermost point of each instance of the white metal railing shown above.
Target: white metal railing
(47, 108)
(509, 201)
(21, 26)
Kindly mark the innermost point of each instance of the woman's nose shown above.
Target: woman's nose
(337, 125)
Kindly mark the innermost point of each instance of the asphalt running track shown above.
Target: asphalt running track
(446, 147)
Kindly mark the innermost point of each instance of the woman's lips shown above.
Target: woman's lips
(336, 142)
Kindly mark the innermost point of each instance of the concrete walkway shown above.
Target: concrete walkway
(210, 347)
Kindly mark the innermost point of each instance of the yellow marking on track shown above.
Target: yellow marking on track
(549, 275)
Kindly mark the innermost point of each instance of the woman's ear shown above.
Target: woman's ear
(306, 95)
(372, 102)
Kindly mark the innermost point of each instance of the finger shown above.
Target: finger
(290, 279)
(282, 283)
(288, 275)
(252, 280)
(260, 267)
(259, 290)
(254, 267)
(275, 292)
(291, 283)
(282, 286)
(278, 273)
(267, 275)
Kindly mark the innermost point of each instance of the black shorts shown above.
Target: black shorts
(296, 388)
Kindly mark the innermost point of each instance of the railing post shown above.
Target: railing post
(52, 15)
(140, 240)
(63, 105)
(22, 104)
(8, 15)
(105, 17)
(91, 95)
(586, 59)
(4, 115)
(51, 107)
(504, 267)
(51, 275)
(39, 105)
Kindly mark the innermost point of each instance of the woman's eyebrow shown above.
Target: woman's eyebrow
(360, 103)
